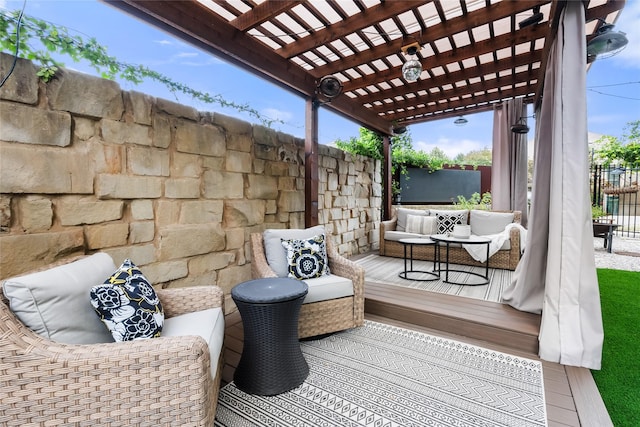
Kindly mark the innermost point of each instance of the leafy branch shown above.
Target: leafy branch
(58, 40)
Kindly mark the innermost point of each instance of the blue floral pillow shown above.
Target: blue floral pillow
(128, 305)
(306, 258)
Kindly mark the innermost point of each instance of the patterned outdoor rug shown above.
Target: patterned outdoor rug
(381, 375)
(384, 269)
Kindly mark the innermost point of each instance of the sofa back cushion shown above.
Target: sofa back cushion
(421, 224)
(484, 223)
(55, 303)
(402, 214)
(276, 254)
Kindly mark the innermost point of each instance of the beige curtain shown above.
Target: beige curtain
(509, 159)
(557, 274)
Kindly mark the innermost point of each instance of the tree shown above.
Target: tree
(19, 35)
(626, 152)
(475, 158)
(403, 155)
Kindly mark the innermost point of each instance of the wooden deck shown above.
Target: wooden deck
(572, 397)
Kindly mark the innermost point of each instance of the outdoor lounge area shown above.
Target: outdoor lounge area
(131, 225)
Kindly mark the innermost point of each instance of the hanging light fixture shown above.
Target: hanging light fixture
(460, 121)
(606, 43)
(520, 126)
(412, 68)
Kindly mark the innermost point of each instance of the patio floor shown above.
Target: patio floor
(572, 397)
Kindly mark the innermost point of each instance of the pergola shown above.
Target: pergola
(474, 54)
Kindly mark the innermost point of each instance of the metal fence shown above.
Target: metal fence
(615, 190)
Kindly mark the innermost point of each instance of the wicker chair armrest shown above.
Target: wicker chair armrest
(103, 381)
(514, 238)
(517, 217)
(259, 266)
(179, 301)
(388, 225)
(341, 266)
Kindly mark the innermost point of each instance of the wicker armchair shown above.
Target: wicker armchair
(321, 317)
(155, 382)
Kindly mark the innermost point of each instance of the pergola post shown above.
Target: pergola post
(387, 190)
(311, 163)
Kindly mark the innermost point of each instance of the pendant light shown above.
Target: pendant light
(412, 68)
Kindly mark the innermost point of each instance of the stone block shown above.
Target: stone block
(139, 254)
(277, 169)
(243, 213)
(26, 252)
(148, 161)
(140, 106)
(238, 161)
(264, 151)
(141, 209)
(271, 207)
(233, 275)
(141, 232)
(5, 212)
(167, 212)
(207, 279)
(261, 187)
(162, 272)
(128, 187)
(84, 128)
(212, 163)
(176, 109)
(199, 139)
(239, 142)
(286, 183)
(116, 132)
(161, 131)
(52, 171)
(202, 264)
(22, 86)
(291, 201)
(75, 210)
(181, 241)
(223, 185)
(232, 125)
(201, 212)
(35, 213)
(265, 136)
(85, 95)
(107, 235)
(235, 238)
(185, 165)
(182, 188)
(30, 125)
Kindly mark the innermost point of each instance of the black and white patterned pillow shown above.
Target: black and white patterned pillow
(446, 220)
(306, 258)
(128, 305)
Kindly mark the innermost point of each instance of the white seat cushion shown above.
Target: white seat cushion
(208, 324)
(328, 287)
(397, 235)
(55, 303)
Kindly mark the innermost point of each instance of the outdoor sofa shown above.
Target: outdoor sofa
(404, 224)
(61, 366)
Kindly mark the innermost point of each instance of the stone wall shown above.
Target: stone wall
(87, 167)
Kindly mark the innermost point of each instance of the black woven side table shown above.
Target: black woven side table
(271, 361)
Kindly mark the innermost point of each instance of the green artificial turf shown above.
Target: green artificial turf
(619, 379)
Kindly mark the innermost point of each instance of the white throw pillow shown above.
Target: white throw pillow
(276, 254)
(484, 223)
(421, 224)
(402, 214)
(55, 303)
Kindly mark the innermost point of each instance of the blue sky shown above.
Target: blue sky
(613, 93)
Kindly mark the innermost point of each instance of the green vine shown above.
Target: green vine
(58, 40)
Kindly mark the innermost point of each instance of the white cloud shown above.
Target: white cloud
(164, 42)
(187, 55)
